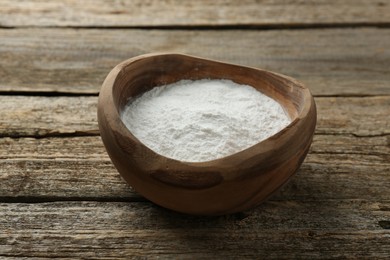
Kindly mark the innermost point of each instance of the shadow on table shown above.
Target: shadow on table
(263, 231)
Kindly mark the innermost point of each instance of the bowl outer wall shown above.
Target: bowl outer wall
(234, 183)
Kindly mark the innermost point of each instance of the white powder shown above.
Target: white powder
(203, 120)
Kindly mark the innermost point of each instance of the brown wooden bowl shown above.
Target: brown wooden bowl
(230, 184)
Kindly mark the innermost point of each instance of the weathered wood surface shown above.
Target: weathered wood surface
(54, 116)
(45, 116)
(332, 62)
(79, 168)
(91, 147)
(141, 13)
(277, 229)
(60, 195)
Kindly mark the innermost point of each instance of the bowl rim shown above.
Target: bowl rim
(113, 117)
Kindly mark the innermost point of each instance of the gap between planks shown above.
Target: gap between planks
(83, 94)
(246, 27)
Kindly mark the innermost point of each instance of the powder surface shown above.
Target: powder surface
(203, 120)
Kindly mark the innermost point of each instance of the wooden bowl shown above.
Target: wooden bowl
(230, 184)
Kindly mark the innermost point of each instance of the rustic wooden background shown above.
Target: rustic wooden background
(60, 195)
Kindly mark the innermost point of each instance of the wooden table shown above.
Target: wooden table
(60, 195)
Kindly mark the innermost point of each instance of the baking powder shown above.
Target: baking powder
(203, 120)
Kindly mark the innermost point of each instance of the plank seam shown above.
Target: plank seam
(49, 199)
(96, 94)
(281, 26)
(96, 133)
(53, 135)
(48, 93)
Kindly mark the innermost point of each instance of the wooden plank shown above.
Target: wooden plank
(346, 144)
(124, 230)
(332, 62)
(39, 116)
(320, 177)
(43, 116)
(79, 168)
(140, 13)
(37, 180)
(65, 148)
(91, 147)
(359, 116)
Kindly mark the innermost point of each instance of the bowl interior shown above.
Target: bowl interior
(143, 74)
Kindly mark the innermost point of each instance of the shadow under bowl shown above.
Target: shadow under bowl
(231, 184)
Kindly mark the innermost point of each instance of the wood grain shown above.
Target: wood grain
(91, 147)
(54, 116)
(155, 13)
(358, 116)
(45, 116)
(336, 207)
(123, 230)
(320, 177)
(331, 62)
(78, 168)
